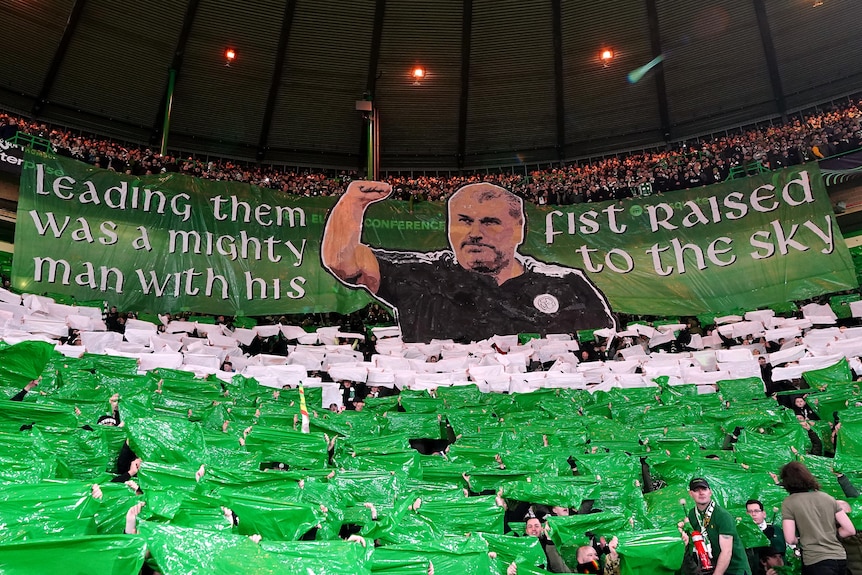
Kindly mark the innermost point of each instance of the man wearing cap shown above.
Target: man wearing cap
(770, 558)
(721, 541)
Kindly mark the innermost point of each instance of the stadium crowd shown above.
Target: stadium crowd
(803, 137)
(573, 472)
(407, 470)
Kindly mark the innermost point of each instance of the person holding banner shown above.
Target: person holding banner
(533, 527)
(479, 288)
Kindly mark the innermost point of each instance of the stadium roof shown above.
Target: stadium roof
(508, 81)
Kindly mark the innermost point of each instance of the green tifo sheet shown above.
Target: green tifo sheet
(223, 461)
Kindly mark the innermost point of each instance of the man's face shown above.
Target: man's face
(756, 513)
(587, 554)
(483, 235)
(701, 495)
(560, 511)
(774, 561)
(533, 527)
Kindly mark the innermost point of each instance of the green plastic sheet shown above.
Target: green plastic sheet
(663, 505)
(14, 414)
(750, 534)
(25, 457)
(462, 395)
(320, 557)
(181, 550)
(464, 556)
(24, 362)
(91, 555)
(296, 449)
(848, 448)
(273, 519)
(744, 389)
(572, 530)
(113, 363)
(550, 490)
(837, 373)
(117, 499)
(378, 487)
(469, 515)
(415, 425)
(46, 509)
(406, 462)
(837, 397)
(166, 439)
(520, 442)
(656, 552)
(86, 454)
(608, 465)
(525, 552)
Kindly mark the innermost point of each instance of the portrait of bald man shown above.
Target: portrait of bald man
(479, 288)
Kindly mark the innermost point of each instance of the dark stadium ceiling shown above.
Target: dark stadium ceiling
(508, 81)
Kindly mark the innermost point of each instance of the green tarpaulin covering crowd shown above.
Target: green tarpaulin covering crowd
(223, 461)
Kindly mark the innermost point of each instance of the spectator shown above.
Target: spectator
(721, 544)
(754, 508)
(555, 563)
(819, 133)
(810, 518)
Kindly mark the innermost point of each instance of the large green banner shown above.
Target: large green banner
(737, 245)
(170, 242)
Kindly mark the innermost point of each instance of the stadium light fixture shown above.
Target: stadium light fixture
(418, 73)
(606, 56)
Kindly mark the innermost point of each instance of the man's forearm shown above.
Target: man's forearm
(722, 563)
(343, 229)
(341, 249)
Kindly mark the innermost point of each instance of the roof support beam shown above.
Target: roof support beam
(771, 59)
(280, 56)
(371, 77)
(376, 41)
(59, 55)
(559, 98)
(176, 65)
(464, 99)
(660, 86)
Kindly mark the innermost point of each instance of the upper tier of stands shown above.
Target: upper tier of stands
(818, 133)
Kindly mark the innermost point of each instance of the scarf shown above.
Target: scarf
(703, 520)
